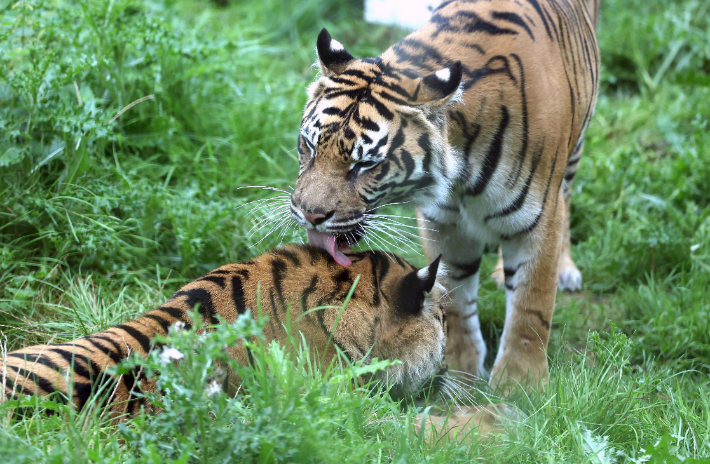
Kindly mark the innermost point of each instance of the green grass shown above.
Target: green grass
(106, 210)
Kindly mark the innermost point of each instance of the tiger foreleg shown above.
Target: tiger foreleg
(530, 286)
(465, 347)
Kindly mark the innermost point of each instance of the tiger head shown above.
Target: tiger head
(371, 134)
(411, 325)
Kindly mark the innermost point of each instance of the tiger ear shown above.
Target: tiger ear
(437, 89)
(427, 275)
(332, 55)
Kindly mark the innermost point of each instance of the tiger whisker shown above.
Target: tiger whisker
(369, 237)
(277, 226)
(277, 197)
(397, 226)
(265, 211)
(266, 219)
(266, 187)
(385, 239)
(454, 399)
(447, 392)
(286, 230)
(399, 217)
(394, 234)
(401, 224)
(264, 204)
(411, 234)
(468, 374)
(461, 391)
(389, 204)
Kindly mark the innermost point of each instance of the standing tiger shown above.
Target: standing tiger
(478, 118)
(394, 313)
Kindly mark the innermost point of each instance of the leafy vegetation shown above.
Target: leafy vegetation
(128, 128)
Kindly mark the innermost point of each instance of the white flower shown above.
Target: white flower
(213, 388)
(177, 327)
(169, 354)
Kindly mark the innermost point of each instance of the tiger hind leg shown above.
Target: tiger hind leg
(568, 276)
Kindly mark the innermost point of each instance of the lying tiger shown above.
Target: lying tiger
(395, 313)
(478, 119)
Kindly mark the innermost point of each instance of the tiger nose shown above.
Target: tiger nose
(316, 218)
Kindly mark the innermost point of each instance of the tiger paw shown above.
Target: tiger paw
(510, 374)
(465, 350)
(485, 420)
(569, 278)
(498, 275)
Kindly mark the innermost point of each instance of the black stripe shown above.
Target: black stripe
(425, 144)
(221, 281)
(13, 385)
(250, 356)
(542, 208)
(36, 358)
(408, 162)
(139, 336)
(472, 24)
(522, 154)
(574, 161)
(278, 273)
(472, 77)
(307, 292)
(492, 158)
(118, 348)
(520, 199)
(336, 92)
(507, 272)
(384, 262)
(384, 170)
(71, 357)
(466, 270)
(177, 313)
(356, 73)
(164, 323)
(39, 381)
(421, 55)
(204, 299)
(115, 357)
(341, 81)
(375, 150)
(513, 18)
(545, 323)
(366, 123)
(379, 106)
(288, 254)
(374, 261)
(391, 98)
(539, 12)
(238, 294)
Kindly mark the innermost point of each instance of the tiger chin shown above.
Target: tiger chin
(395, 312)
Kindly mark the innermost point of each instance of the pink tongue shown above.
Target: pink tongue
(327, 242)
